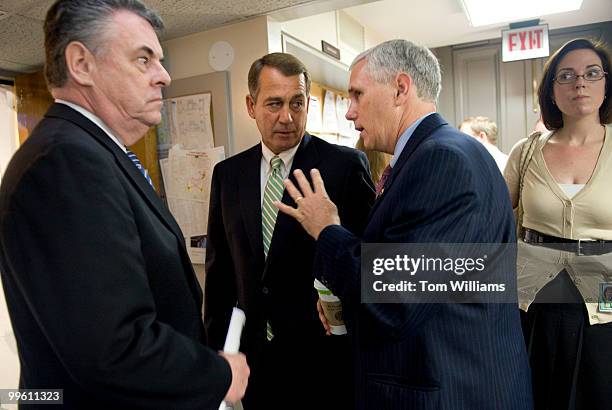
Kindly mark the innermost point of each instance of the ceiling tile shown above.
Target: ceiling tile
(37, 10)
(17, 6)
(22, 41)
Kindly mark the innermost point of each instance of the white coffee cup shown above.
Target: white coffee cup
(332, 308)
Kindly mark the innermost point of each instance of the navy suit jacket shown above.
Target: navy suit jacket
(279, 288)
(102, 296)
(444, 188)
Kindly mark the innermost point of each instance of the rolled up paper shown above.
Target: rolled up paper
(232, 339)
(234, 331)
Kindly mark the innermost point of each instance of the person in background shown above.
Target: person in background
(485, 131)
(262, 261)
(100, 289)
(560, 183)
(378, 160)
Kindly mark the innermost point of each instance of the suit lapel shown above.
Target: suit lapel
(125, 164)
(249, 192)
(420, 134)
(132, 173)
(306, 158)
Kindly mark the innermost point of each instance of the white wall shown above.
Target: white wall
(335, 27)
(188, 56)
(371, 38)
(9, 361)
(275, 40)
(311, 30)
(446, 102)
(9, 139)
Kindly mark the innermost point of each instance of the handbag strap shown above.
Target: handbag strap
(527, 151)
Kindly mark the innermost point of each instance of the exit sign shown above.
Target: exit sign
(525, 43)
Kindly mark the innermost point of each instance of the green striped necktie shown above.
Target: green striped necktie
(273, 192)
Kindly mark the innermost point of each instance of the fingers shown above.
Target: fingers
(323, 319)
(286, 209)
(317, 182)
(303, 183)
(305, 189)
(292, 190)
(240, 376)
(320, 309)
(314, 210)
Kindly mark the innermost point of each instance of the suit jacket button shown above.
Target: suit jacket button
(265, 290)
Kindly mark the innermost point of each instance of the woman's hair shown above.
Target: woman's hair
(551, 115)
(378, 160)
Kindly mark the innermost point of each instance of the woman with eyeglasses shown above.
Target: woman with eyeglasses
(561, 184)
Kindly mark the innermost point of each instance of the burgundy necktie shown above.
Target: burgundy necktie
(383, 180)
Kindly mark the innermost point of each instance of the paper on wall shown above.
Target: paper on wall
(344, 125)
(330, 120)
(186, 121)
(187, 178)
(314, 121)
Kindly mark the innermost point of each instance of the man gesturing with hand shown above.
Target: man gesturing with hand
(438, 189)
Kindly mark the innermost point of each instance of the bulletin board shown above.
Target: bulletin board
(199, 110)
(218, 85)
(326, 116)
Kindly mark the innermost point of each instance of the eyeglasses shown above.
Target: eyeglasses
(569, 76)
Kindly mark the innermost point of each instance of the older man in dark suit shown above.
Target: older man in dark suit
(101, 293)
(441, 187)
(262, 261)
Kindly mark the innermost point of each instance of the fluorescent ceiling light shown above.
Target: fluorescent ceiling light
(485, 12)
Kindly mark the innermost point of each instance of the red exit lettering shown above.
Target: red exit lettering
(538, 38)
(527, 40)
(511, 43)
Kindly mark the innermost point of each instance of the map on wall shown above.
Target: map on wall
(187, 177)
(186, 121)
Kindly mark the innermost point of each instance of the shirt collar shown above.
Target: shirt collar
(403, 139)
(285, 156)
(93, 118)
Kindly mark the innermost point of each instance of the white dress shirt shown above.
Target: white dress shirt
(267, 155)
(93, 118)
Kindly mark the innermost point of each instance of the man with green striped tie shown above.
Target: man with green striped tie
(262, 260)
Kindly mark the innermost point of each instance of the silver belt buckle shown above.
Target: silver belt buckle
(579, 252)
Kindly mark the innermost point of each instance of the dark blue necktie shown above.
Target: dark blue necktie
(142, 169)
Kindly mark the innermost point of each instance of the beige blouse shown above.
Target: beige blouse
(547, 209)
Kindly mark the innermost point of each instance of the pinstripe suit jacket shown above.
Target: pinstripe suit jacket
(444, 188)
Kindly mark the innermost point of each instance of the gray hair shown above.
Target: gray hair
(386, 60)
(85, 21)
